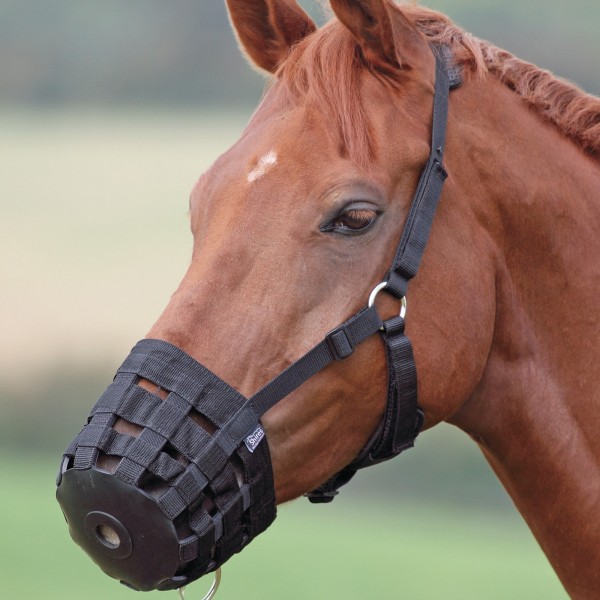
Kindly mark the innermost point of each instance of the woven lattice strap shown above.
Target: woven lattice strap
(218, 500)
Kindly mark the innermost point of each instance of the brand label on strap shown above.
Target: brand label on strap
(254, 439)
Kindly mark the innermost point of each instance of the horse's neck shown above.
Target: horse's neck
(535, 413)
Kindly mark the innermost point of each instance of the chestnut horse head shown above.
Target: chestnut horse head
(300, 219)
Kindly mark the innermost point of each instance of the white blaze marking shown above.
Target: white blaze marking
(263, 165)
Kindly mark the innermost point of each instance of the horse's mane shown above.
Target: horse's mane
(327, 65)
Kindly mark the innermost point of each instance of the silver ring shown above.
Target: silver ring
(213, 588)
(382, 286)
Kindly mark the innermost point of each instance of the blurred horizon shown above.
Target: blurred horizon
(147, 53)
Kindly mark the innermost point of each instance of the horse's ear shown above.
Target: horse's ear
(267, 29)
(378, 27)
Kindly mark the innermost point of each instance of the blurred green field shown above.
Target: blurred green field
(351, 550)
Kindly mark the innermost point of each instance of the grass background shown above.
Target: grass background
(355, 548)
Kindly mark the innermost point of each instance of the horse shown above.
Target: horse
(299, 220)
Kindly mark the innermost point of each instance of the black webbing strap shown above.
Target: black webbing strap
(453, 69)
(420, 218)
(337, 345)
(403, 420)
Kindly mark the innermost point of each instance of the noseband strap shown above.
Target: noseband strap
(184, 497)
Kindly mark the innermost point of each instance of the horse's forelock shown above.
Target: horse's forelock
(324, 69)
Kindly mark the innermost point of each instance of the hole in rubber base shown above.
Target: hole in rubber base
(107, 536)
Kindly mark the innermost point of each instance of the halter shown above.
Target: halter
(403, 418)
(183, 499)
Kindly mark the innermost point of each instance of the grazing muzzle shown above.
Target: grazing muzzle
(181, 500)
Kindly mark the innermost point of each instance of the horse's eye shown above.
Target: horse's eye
(352, 221)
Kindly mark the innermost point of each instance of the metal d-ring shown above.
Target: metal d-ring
(382, 286)
(213, 588)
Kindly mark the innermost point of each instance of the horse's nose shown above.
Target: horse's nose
(122, 529)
